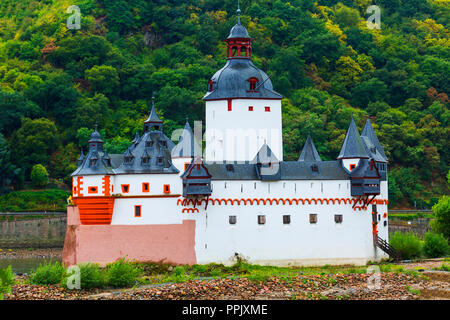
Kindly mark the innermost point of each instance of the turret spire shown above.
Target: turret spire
(353, 146)
(309, 152)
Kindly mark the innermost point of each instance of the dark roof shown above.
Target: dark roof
(353, 146)
(96, 137)
(371, 141)
(265, 155)
(309, 152)
(363, 170)
(290, 170)
(188, 146)
(153, 117)
(85, 168)
(159, 146)
(232, 82)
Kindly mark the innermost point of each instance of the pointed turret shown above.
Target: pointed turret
(353, 146)
(80, 159)
(187, 146)
(153, 121)
(309, 152)
(96, 142)
(369, 133)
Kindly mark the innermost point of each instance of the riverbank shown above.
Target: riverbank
(403, 281)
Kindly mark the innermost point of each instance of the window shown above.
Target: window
(352, 166)
(385, 223)
(286, 219)
(315, 168)
(125, 188)
(253, 83)
(230, 107)
(261, 219)
(186, 165)
(137, 211)
(313, 218)
(267, 109)
(167, 188)
(160, 160)
(338, 218)
(233, 219)
(92, 162)
(145, 187)
(385, 215)
(211, 83)
(374, 208)
(92, 190)
(74, 190)
(250, 108)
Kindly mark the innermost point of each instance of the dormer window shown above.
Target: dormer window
(128, 159)
(164, 143)
(315, 168)
(149, 144)
(160, 160)
(92, 162)
(253, 84)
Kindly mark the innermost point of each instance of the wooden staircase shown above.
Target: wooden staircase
(386, 247)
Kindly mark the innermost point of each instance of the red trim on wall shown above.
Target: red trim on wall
(166, 188)
(106, 185)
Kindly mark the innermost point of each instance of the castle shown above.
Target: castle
(164, 202)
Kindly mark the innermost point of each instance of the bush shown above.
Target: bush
(6, 281)
(442, 213)
(91, 276)
(39, 176)
(122, 273)
(48, 274)
(435, 245)
(408, 244)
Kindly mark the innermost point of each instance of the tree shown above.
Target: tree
(8, 171)
(441, 211)
(91, 111)
(13, 107)
(39, 176)
(34, 142)
(103, 79)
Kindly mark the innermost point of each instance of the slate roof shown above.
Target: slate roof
(239, 31)
(371, 141)
(232, 82)
(188, 145)
(353, 146)
(289, 170)
(309, 152)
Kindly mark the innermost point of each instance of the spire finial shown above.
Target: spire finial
(239, 12)
(95, 126)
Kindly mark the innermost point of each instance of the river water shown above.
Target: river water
(25, 265)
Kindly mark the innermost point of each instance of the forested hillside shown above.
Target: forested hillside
(57, 83)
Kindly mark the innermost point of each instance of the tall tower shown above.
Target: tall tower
(243, 112)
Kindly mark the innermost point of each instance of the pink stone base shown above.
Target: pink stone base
(148, 243)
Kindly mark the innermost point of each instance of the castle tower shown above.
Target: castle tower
(242, 110)
(353, 149)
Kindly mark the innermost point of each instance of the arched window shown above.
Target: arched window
(234, 51)
(253, 83)
(243, 51)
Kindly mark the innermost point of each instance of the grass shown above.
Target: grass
(34, 200)
(410, 216)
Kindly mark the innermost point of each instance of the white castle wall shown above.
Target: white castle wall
(252, 128)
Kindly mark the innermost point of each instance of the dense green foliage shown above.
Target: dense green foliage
(55, 83)
(441, 210)
(123, 273)
(48, 273)
(6, 281)
(408, 244)
(91, 276)
(39, 176)
(435, 245)
(29, 201)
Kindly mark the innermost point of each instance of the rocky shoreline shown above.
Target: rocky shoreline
(55, 253)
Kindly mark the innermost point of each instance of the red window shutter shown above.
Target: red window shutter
(267, 109)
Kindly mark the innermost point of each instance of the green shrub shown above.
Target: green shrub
(408, 244)
(39, 176)
(435, 245)
(122, 273)
(91, 276)
(48, 273)
(442, 213)
(6, 281)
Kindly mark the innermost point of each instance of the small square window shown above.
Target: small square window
(137, 211)
(233, 219)
(352, 167)
(267, 109)
(250, 108)
(125, 188)
(167, 188)
(338, 218)
(145, 187)
(313, 218)
(286, 219)
(261, 219)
